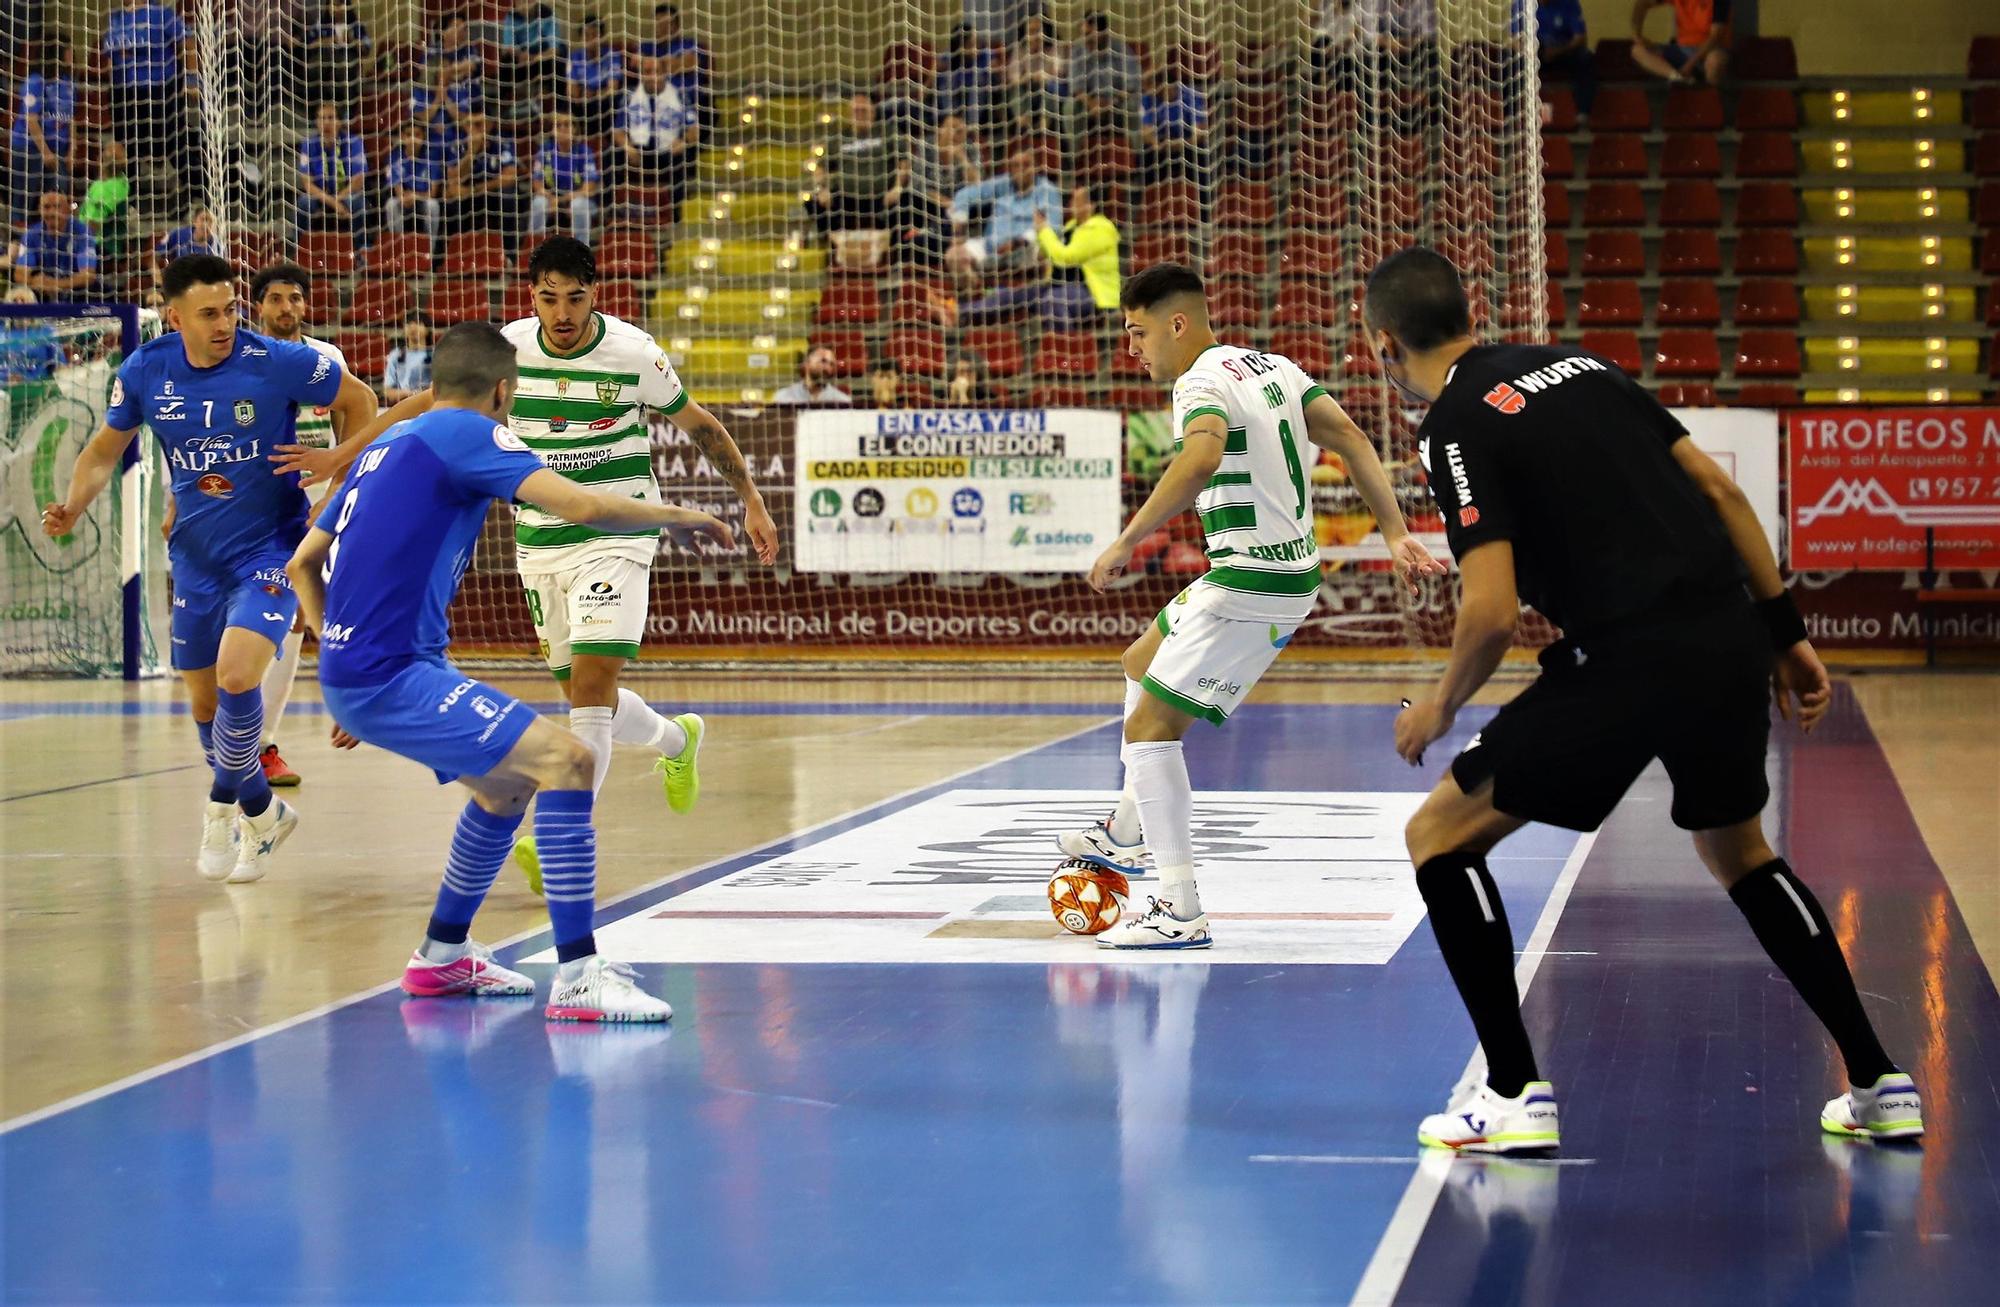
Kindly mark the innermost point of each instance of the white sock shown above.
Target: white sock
(1157, 774)
(593, 727)
(278, 679)
(635, 722)
(438, 951)
(1125, 821)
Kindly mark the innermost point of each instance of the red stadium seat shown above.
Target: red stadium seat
(1621, 109)
(1317, 204)
(1766, 253)
(620, 299)
(1171, 204)
(1610, 304)
(999, 346)
(1686, 203)
(1555, 253)
(1767, 204)
(1614, 254)
(1357, 358)
(1767, 154)
(1558, 160)
(1067, 355)
(1691, 156)
(367, 352)
(460, 301)
(1764, 59)
(1987, 211)
(1059, 397)
(1687, 352)
(1985, 111)
(1989, 257)
(477, 254)
(1986, 155)
(1686, 394)
(1555, 306)
(1993, 308)
(1555, 205)
(1690, 252)
(1245, 204)
(1308, 348)
(849, 299)
(1982, 59)
(1620, 347)
(1614, 204)
(1160, 247)
(1236, 305)
(1617, 156)
(1693, 109)
(1766, 109)
(1614, 62)
(1562, 108)
(251, 250)
(850, 349)
(1767, 354)
(917, 351)
(1766, 394)
(908, 61)
(407, 255)
(1689, 302)
(380, 301)
(1305, 304)
(1472, 251)
(1238, 254)
(1309, 254)
(627, 254)
(1136, 399)
(1767, 302)
(329, 253)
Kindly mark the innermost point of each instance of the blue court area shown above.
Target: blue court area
(1095, 1130)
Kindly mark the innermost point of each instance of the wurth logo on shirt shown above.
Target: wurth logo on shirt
(1507, 399)
(1460, 483)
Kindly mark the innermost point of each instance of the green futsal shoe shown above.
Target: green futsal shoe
(529, 861)
(679, 775)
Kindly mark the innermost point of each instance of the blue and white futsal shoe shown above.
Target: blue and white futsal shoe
(1478, 1120)
(1094, 844)
(1159, 928)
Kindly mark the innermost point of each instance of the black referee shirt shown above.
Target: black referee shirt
(1560, 452)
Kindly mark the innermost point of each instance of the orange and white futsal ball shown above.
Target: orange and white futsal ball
(1087, 898)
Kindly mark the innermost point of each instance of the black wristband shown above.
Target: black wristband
(1782, 620)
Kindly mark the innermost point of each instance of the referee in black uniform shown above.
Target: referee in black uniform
(1566, 486)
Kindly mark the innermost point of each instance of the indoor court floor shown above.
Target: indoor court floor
(891, 1079)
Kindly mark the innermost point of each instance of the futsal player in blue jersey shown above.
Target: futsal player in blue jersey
(219, 399)
(375, 576)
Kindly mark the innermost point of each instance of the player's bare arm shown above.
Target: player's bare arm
(554, 493)
(1799, 674)
(1488, 605)
(1202, 447)
(1329, 427)
(305, 571)
(356, 421)
(95, 466)
(719, 448)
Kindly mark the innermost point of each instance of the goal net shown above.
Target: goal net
(763, 181)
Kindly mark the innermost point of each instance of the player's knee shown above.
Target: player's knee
(571, 766)
(237, 679)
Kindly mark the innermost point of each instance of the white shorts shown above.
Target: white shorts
(598, 607)
(1207, 662)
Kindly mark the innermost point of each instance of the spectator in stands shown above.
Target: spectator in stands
(408, 369)
(484, 190)
(42, 149)
(1104, 75)
(1340, 32)
(1173, 123)
(658, 139)
(857, 172)
(596, 79)
(815, 384)
(685, 59)
(1699, 51)
(966, 84)
(565, 177)
(969, 385)
(927, 175)
(415, 185)
(58, 258)
(440, 107)
(885, 384)
(107, 202)
(1036, 69)
(1562, 44)
(333, 172)
(337, 46)
(1013, 198)
(534, 58)
(196, 237)
(152, 61)
(1083, 287)
(270, 32)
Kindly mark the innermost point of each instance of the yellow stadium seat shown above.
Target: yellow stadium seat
(745, 165)
(750, 358)
(712, 256)
(1873, 395)
(1888, 253)
(1917, 107)
(1925, 303)
(779, 115)
(742, 208)
(1860, 156)
(713, 397)
(1894, 357)
(1911, 204)
(700, 310)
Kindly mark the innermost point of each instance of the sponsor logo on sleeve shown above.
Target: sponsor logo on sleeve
(1507, 399)
(117, 391)
(320, 370)
(508, 441)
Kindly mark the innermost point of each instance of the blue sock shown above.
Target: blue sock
(206, 730)
(479, 847)
(566, 843)
(239, 727)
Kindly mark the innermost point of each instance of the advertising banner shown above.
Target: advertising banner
(1867, 483)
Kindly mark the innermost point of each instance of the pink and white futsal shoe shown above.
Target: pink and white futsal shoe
(475, 975)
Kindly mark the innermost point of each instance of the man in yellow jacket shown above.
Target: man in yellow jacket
(1084, 284)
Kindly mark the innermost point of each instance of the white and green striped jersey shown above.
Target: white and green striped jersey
(585, 414)
(315, 425)
(1256, 511)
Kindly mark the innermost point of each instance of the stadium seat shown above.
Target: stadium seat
(1993, 308)
(1687, 394)
(1689, 302)
(1982, 59)
(1558, 160)
(1238, 254)
(460, 301)
(1061, 397)
(1067, 355)
(1236, 305)
(1766, 109)
(252, 249)
(1307, 347)
(908, 61)
(1986, 155)
(367, 352)
(1690, 252)
(407, 255)
(1357, 358)
(1171, 204)
(329, 253)
(915, 307)
(1245, 204)
(1555, 253)
(620, 299)
(1253, 123)
(1985, 110)
(1691, 156)
(1160, 247)
(1555, 205)
(1614, 204)
(1471, 251)
(1764, 59)
(1686, 352)
(999, 346)
(1622, 109)
(1123, 365)
(1691, 203)
(1766, 253)
(1610, 304)
(1309, 254)
(1766, 394)
(477, 254)
(1989, 257)
(1614, 62)
(1620, 347)
(917, 351)
(1318, 205)
(1305, 304)
(1556, 306)
(1562, 108)
(1767, 154)
(850, 349)
(1767, 301)
(1987, 212)
(1136, 399)
(1693, 109)
(517, 300)
(380, 301)
(1767, 204)
(1767, 354)
(1617, 156)
(627, 254)
(1613, 254)
(850, 299)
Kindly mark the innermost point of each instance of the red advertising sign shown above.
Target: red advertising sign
(1867, 484)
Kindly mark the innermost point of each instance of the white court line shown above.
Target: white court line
(1407, 1159)
(141, 1077)
(1391, 1261)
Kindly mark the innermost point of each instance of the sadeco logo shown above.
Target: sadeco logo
(1049, 539)
(967, 502)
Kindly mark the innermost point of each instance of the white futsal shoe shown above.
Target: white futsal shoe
(604, 991)
(1158, 928)
(258, 840)
(218, 841)
(1477, 1120)
(1094, 844)
(1887, 1109)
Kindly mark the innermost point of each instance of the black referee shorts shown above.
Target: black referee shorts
(1694, 693)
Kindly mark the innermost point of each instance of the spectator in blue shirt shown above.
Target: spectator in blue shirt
(409, 367)
(1104, 75)
(596, 79)
(1563, 46)
(535, 56)
(337, 46)
(440, 110)
(685, 60)
(414, 184)
(1173, 121)
(58, 256)
(197, 237)
(566, 177)
(333, 170)
(967, 85)
(1014, 197)
(657, 138)
(42, 150)
(483, 190)
(152, 60)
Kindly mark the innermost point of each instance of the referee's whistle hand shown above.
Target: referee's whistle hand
(1417, 727)
(1799, 675)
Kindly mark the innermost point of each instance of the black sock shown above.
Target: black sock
(1470, 923)
(1789, 924)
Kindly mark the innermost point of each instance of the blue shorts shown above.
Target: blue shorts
(434, 714)
(257, 597)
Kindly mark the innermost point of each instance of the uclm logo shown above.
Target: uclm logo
(1507, 399)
